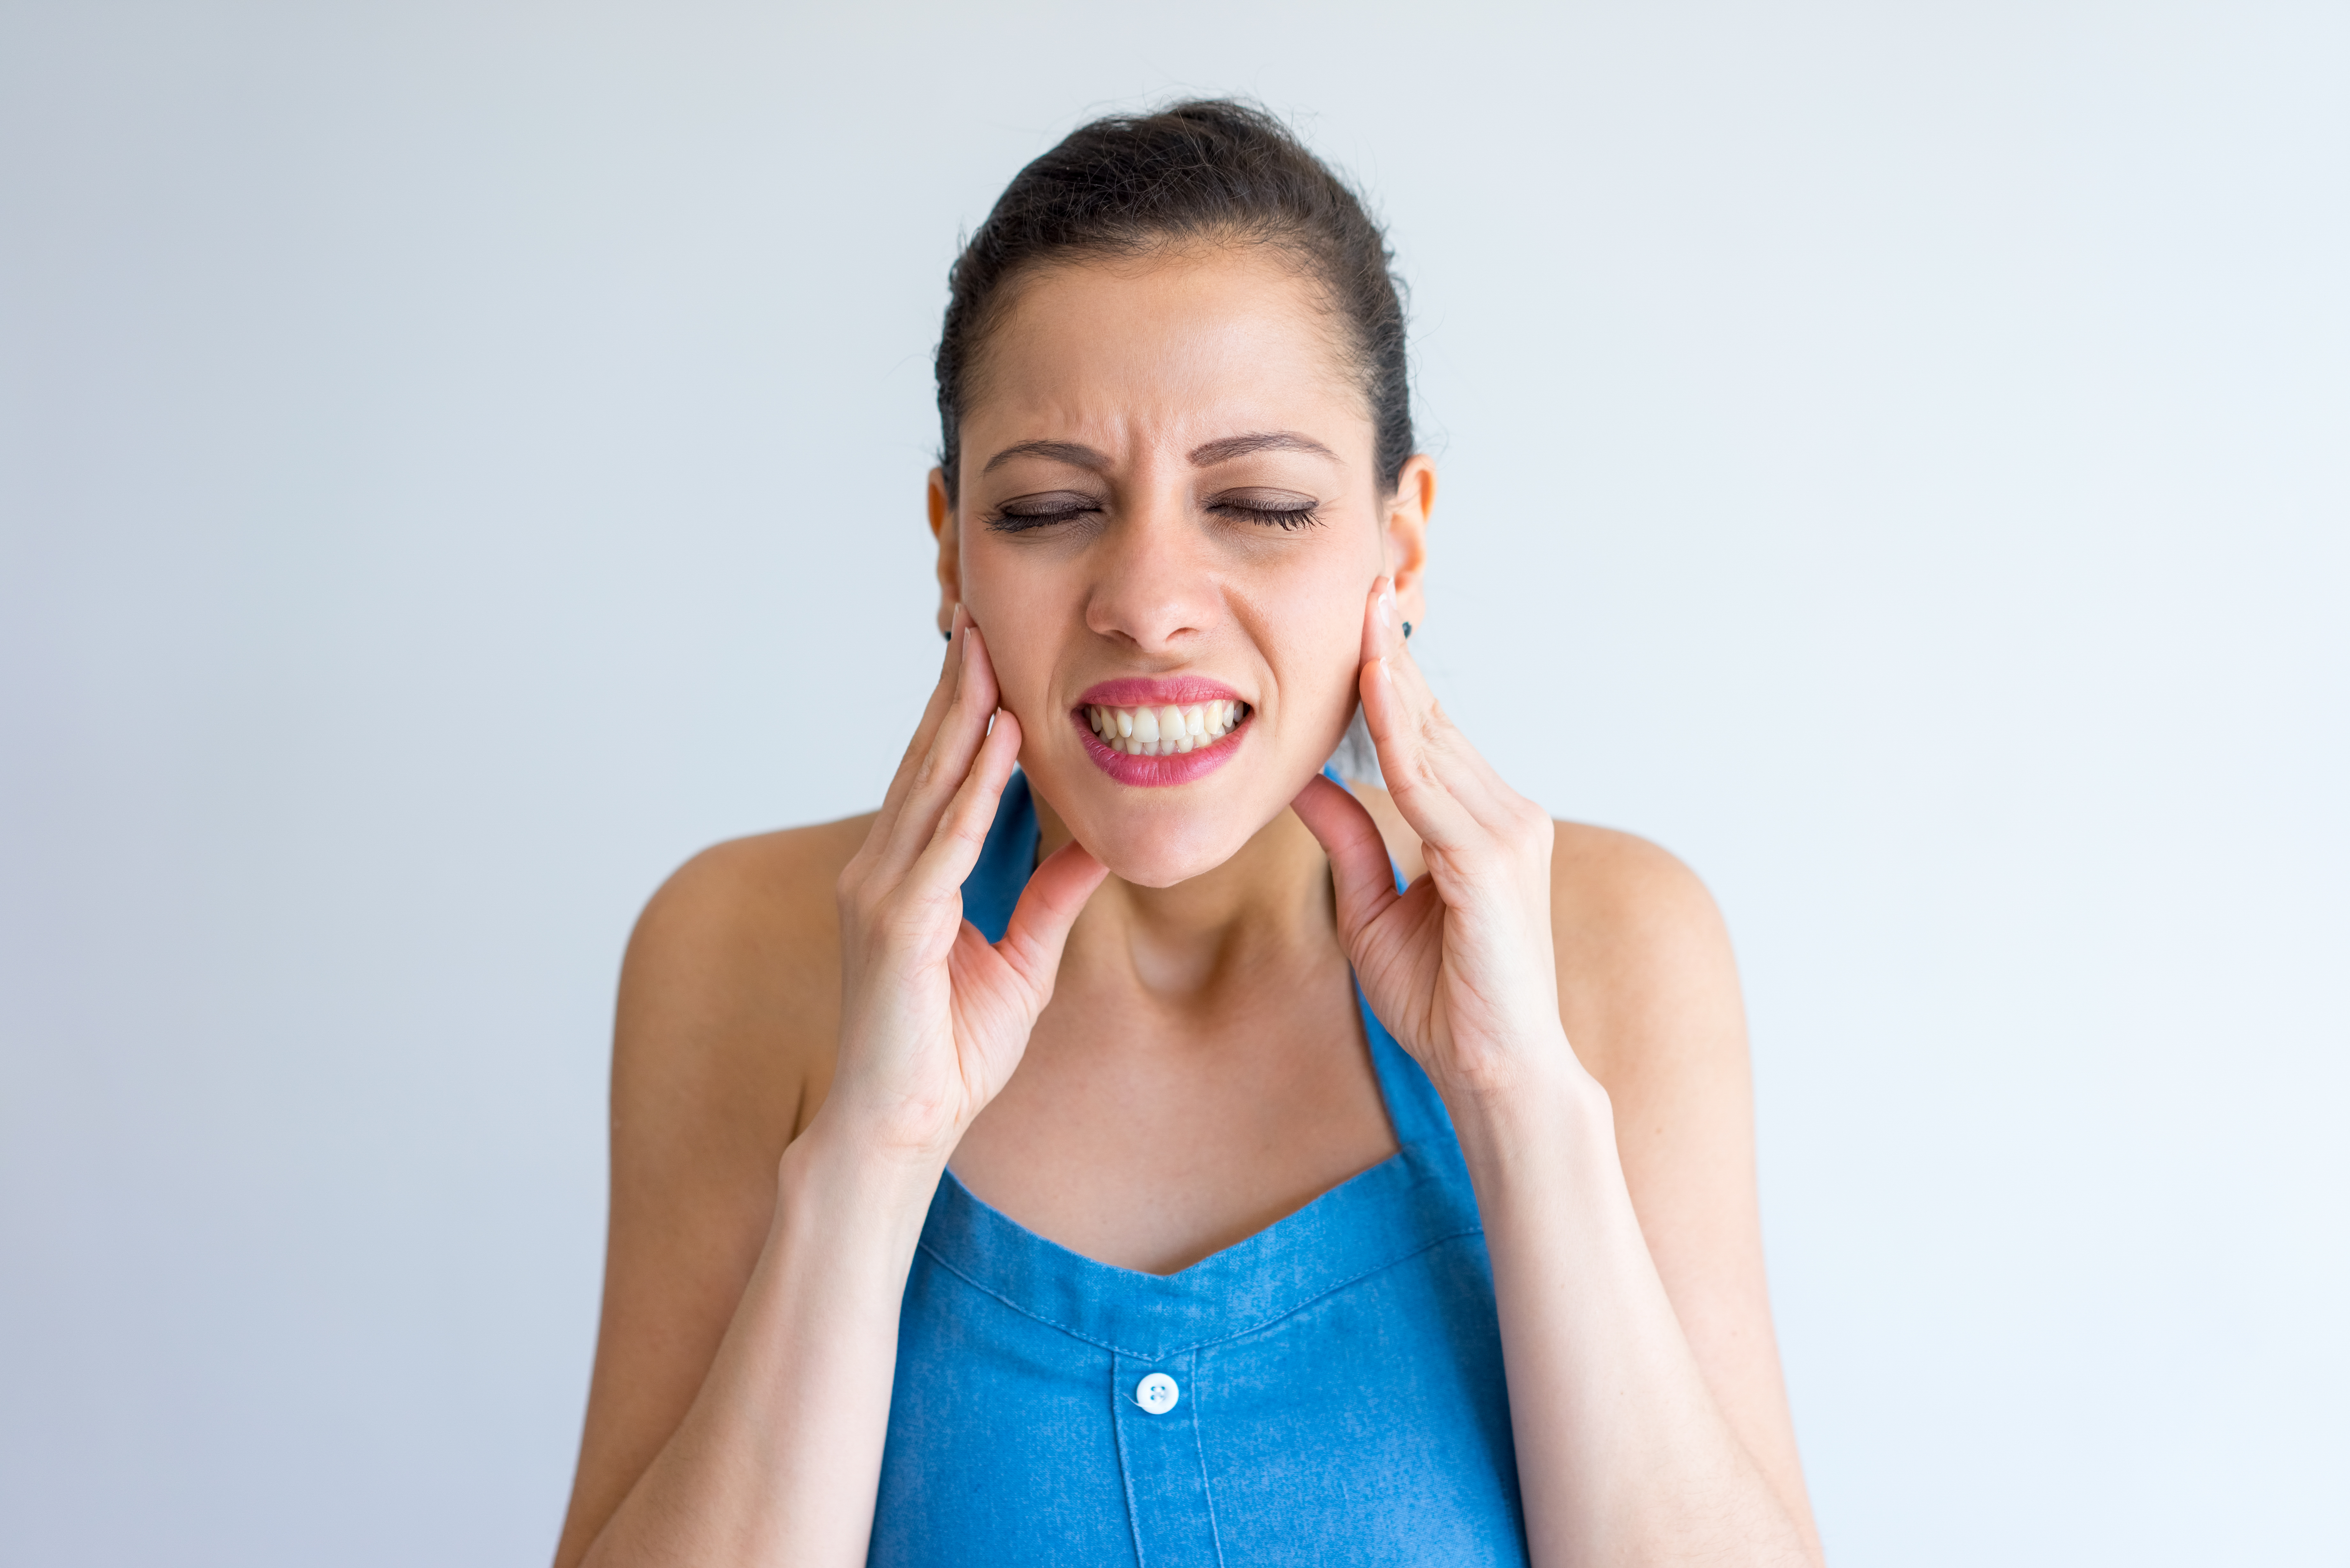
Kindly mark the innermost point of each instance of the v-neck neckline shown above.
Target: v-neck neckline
(1417, 1198)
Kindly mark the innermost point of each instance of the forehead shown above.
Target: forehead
(1179, 346)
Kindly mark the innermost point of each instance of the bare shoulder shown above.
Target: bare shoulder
(1647, 988)
(731, 986)
(1648, 994)
(1646, 977)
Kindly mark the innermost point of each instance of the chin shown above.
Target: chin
(1157, 837)
(1158, 843)
(1164, 863)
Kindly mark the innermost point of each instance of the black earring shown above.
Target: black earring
(1407, 631)
(946, 635)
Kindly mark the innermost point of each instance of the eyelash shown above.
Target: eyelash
(1022, 521)
(1288, 520)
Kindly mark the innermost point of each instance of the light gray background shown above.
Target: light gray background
(458, 458)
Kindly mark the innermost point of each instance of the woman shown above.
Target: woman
(1104, 1161)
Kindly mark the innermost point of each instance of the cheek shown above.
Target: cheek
(1024, 666)
(1022, 608)
(1313, 633)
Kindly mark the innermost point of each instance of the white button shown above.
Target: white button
(1157, 1393)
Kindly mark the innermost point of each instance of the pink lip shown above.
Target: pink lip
(1136, 691)
(1150, 691)
(1152, 772)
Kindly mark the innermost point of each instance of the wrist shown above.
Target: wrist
(1538, 1102)
(884, 1126)
(836, 1169)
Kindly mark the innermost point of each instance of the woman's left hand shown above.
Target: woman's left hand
(1460, 967)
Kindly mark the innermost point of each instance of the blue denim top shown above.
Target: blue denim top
(1329, 1391)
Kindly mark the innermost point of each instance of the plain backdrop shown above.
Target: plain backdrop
(456, 460)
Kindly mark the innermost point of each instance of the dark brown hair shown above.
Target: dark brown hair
(1208, 169)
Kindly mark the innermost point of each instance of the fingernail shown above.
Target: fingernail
(1385, 603)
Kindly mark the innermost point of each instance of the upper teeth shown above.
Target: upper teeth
(1163, 732)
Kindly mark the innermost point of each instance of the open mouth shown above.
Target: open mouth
(1165, 730)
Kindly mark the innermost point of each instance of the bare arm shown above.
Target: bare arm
(778, 1456)
(1649, 996)
(775, 1454)
(1645, 1387)
(730, 998)
(1641, 1438)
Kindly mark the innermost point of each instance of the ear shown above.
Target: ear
(1406, 536)
(950, 539)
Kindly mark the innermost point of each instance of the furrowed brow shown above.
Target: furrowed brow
(1230, 447)
(1068, 452)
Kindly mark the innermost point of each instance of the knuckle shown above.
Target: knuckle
(903, 923)
(899, 919)
(962, 827)
(1480, 859)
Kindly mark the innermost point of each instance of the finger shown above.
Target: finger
(1463, 767)
(936, 875)
(1048, 907)
(933, 713)
(943, 772)
(1399, 733)
(1386, 642)
(1426, 759)
(1360, 869)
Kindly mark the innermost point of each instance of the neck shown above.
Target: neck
(1266, 908)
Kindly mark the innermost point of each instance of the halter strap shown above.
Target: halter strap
(1006, 859)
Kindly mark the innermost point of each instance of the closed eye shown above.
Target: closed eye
(1026, 511)
(1281, 511)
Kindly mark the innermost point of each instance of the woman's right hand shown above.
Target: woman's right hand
(933, 1017)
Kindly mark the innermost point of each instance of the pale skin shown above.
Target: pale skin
(808, 1032)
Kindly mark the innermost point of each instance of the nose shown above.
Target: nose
(1157, 589)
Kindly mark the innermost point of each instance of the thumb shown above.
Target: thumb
(1360, 869)
(1048, 907)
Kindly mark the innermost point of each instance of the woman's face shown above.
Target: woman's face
(1167, 528)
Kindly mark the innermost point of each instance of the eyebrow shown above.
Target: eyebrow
(1230, 447)
(1068, 452)
(1215, 452)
